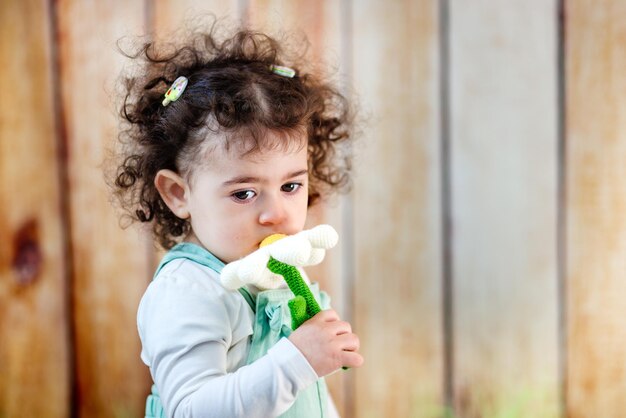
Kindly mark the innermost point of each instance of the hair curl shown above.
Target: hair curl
(232, 92)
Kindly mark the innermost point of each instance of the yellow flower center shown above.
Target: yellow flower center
(271, 239)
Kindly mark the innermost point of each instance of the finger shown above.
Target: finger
(349, 342)
(352, 359)
(341, 327)
(328, 315)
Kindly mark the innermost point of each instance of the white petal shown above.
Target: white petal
(294, 250)
(230, 277)
(252, 266)
(316, 257)
(269, 280)
(322, 236)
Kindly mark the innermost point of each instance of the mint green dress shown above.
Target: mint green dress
(272, 322)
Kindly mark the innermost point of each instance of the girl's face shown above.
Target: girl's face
(235, 201)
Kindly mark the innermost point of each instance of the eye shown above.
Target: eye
(243, 195)
(290, 187)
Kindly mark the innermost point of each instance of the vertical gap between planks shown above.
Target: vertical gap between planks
(446, 206)
(561, 232)
(63, 177)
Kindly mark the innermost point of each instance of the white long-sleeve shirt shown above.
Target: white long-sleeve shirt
(195, 338)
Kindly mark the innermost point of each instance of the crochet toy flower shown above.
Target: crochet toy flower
(281, 255)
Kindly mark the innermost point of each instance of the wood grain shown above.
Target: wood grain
(397, 207)
(503, 123)
(34, 342)
(596, 204)
(111, 266)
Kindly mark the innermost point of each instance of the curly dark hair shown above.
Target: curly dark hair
(232, 92)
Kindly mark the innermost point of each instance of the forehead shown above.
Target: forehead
(240, 144)
(231, 153)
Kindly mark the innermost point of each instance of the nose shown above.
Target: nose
(273, 211)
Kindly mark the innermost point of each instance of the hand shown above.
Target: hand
(327, 343)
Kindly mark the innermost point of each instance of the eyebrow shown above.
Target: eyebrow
(252, 179)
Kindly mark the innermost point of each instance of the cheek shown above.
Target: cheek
(302, 210)
(235, 223)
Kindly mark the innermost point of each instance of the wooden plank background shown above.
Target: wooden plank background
(397, 210)
(111, 267)
(482, 247)
(596, 204)
(503, 146)
(35, 365)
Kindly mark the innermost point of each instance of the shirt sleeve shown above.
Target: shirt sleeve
(332, 408)
(187, 331)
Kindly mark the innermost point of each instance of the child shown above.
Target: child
(223, 147)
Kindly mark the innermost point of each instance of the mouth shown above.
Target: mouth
(272, 239)
(262, 238)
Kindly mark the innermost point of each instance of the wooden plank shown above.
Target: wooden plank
(503, 125)
(111, 266)
(319, 23)
(34, 347)
(175, 16)
(397, 207)
(596, 203)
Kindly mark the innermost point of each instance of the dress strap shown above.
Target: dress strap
(248, 297)
(191, 252)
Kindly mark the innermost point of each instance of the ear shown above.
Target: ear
(173, 191)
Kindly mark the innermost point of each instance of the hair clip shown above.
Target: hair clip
(177, 89)
(282, 71)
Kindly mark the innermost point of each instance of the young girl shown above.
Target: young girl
(224, 146)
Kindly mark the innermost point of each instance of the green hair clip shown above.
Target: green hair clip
(177, 89)
(283, 71)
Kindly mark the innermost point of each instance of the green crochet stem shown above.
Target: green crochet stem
(304, 306)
